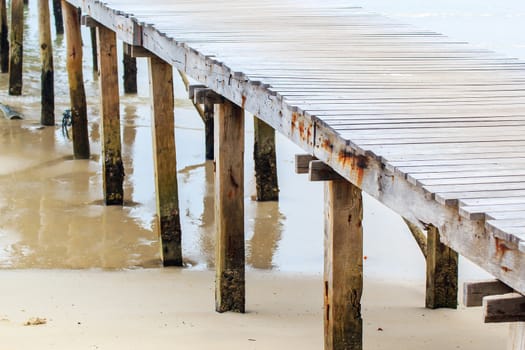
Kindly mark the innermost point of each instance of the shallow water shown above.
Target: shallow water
(51, 212)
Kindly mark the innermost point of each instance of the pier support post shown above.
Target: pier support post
(57, 13)
(208, 129)
(113, 169)
(229, 207)
(4, 42)
(163, 127)
(76, 81)
(442, 273)
(16, 47)
(47, 114)
(265, 162)
(343, 266)
(516, 339)
(130, 73)
(94, 49)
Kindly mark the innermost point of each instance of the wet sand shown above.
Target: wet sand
(94, 272)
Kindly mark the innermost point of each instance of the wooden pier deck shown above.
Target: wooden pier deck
(431, 127)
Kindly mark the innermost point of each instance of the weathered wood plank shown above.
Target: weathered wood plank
(419, 237)
(320, 171)
(516, 339)
(343, 266)
(94, 50)
(474, 292)
(229, 207)
(77, 92)
(163, 126)
(47, 81)
(136, 51)
(112, 165)
(267, 187)
(16, 43)
(4, 34)
(302, 163)
(208, 116)
(504, 308)
(442, 273)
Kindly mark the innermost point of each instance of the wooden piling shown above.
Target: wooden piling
(442, 273)
(208, 130)
(229, 207)
(265, 162)
(163, 125)
(94, 50)
(47, 81)
(76, 81)
(16, 47)
(57, 13)
(516, 338)
(343, 266)
(130, 73)
(113, 169)
(4, 42)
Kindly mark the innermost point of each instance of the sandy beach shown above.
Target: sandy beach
(93, 272)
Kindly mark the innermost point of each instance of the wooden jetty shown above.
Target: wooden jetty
(430, 127)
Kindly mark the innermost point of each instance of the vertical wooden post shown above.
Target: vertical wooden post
(4, 42)
(94, 51)
(113, 170)
(17, 47)
(265, 163)
(47, 114)
(208, 130)
(130, 73)
(442, 273)
(163, 127)
(229, 208)
(343, 266)
(516, 339)
(76, 81)
(57, 12)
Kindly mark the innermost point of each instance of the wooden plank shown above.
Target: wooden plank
(94, 50)
(16, 47)
(205, 95)
(320, 171)
(504, 308)
(266, 184)
(343, 266)
(208, 114)
(474, 292)
(163, 126)
(4, 42)
(229, 208)
(112, 165)
(47, 81)
(419, 237)
(77, 93)
(442, 273)
(302, 163)
(136, 51)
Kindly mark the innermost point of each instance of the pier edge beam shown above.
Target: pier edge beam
(229, 208)
(113, 168)
(76, 81)
(343, 266)
(47, 112)
(165, 162)
(442, 273)
(267, 188)
(16, 47)
(4, 42)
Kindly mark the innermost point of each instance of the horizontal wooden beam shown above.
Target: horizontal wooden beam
(192, 87)
(136, 51)
(89, 22)
(320, 171)
(474, 292)
(504, 308)
(302, 163)
(205, 95)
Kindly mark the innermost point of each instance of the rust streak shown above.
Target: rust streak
(243, 101)
(501, 248)
(294, 121)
